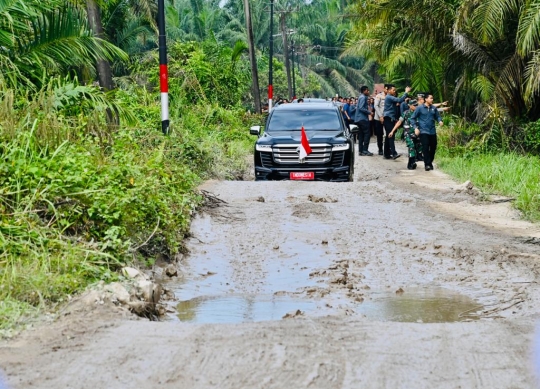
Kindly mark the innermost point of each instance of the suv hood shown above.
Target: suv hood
(313, 136)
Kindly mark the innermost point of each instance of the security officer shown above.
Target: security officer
(410, 134)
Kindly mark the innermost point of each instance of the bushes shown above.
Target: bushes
(531, 137)
(79, 199)
(461, 136)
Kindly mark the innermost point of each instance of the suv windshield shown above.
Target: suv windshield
(318, 120)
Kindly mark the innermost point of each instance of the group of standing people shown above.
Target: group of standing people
(386, 113)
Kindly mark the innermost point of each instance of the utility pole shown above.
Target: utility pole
(163, 71)
(252, 58)
(292, 70)
(271, 54)
(286, 52)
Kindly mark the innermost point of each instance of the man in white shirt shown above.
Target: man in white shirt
(379, 117)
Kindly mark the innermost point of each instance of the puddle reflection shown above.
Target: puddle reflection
(420, 305)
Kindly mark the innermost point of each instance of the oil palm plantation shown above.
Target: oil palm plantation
(482, 54)
(41, 39)
(501, 40)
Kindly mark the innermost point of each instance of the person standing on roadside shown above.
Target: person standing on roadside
(371, 108)
(378, 105)
(361, 118)
(410, 133)
(389, 120)
(347, 112)
(424, 118)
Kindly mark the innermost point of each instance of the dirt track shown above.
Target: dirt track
(365, 267)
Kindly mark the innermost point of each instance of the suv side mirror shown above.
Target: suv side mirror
(255, 130)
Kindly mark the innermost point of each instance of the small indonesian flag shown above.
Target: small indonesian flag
(305, 150)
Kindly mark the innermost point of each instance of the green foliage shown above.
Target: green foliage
(461, 137)
(531, 141)
(466, 51)
(200, 73)
(508, 174)
(468, 152)
(79, 199)
(40, 39)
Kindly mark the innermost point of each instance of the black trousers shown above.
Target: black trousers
(372, 127)
(429, 146)
(379, 132)
(389, 145)
(364, 134)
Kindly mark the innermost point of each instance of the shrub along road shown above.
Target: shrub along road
(400, 279)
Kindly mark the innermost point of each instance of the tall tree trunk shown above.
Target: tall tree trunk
(103, 66)
(252, 58)
(286, 52)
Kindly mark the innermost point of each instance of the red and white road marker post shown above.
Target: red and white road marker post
(163, 72)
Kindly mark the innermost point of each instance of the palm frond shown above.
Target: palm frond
(484, 87)
(528, 37)
(487, 19)
(340, 83)
(327, 89)
(532, 78)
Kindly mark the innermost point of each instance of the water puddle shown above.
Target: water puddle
(240, 309)
(419, 305)
(415, 305)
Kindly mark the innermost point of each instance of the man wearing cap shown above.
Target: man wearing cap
(389, 119)
(424, 118)
(410, 134)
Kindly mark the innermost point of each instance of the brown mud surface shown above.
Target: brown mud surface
(401, 279)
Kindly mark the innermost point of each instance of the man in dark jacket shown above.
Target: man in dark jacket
(424, 118)
(390, 119)
(361, 118)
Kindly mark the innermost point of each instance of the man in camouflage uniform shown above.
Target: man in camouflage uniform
(411, 135)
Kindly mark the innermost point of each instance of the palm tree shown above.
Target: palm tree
(501, 38)
(409, 40)
(485, 55)
(321, 33)
(44, 38)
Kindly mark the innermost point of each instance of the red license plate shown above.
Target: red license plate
(302, 176)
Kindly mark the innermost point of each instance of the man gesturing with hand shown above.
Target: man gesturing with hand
(390, 118)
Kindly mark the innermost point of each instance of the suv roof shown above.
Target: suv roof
(310, 106)
(311, 100)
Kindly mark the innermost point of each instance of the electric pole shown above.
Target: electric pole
(252, 58)
(286, 52)
(292, 70)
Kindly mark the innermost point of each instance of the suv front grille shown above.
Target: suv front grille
(266, 159)
(337, 158)
(288, 154)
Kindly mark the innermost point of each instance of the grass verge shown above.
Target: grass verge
(507, 174)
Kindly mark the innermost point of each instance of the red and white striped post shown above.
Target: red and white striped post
(163, 72)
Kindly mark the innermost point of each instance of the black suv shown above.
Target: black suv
(277, 150)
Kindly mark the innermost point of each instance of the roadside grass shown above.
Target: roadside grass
(79, 200)
(507, 174)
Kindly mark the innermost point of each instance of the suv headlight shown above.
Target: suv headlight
(341, 147)
(263, 147)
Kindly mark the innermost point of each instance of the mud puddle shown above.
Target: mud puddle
(420, 305)
(241, 308)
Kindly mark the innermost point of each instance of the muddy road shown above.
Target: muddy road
(401, 279)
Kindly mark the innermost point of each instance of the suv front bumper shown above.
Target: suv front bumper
(338, 174)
